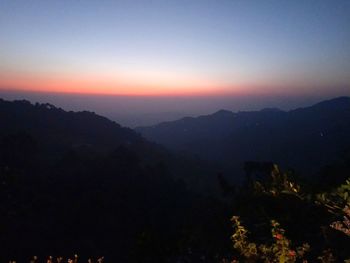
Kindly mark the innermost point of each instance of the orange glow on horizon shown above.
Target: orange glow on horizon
(109, 86)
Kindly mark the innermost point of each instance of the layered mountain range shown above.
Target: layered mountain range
(304, 139)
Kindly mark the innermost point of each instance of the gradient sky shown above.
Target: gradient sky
(177, 47)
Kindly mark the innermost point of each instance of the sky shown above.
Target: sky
(175, 51)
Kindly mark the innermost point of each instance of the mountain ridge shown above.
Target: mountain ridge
(234, 137)
(57, 132)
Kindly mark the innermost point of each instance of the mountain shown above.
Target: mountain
(305, 139)
(57, 131)
(64, 129)
(76, 182)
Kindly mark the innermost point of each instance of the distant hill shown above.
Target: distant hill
(305, 139)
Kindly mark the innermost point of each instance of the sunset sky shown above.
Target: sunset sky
(175, 47)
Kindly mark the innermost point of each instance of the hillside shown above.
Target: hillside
(305, 138)
(76, 181)
(64, 129)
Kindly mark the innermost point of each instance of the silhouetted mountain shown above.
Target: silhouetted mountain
(76, 181)
(58, 131)
(305, 139)
(57, 127)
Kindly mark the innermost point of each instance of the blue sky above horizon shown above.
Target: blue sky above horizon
(176, 47)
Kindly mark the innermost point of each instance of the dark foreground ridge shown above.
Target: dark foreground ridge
(76, 182)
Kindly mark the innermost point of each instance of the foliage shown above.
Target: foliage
(279, 251)
(337, 199)
(344, 225)
(74, 259)
(338, 203)
(277, 183)
(276, 190)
